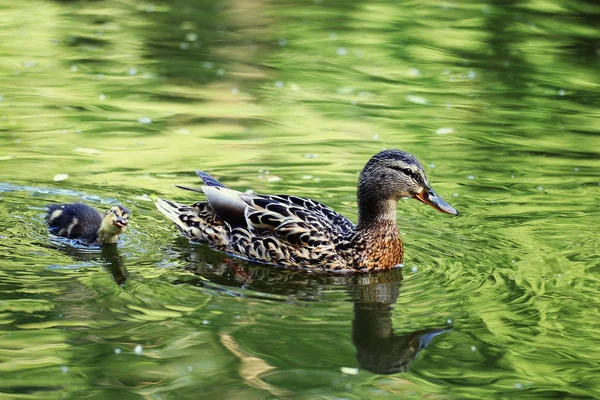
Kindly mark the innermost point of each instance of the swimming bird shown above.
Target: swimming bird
(300, 233)
(80, 221)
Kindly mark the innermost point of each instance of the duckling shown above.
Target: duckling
(295, 232)
(80, 221)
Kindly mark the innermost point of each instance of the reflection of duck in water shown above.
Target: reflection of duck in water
(378, 348)
(296, 232)
(80, 221)
(109, 256)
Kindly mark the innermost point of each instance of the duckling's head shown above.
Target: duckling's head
(114, 223)
(392, 174)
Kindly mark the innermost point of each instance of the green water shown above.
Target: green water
(124, 99)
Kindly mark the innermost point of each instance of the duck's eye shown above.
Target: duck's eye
(405, 171)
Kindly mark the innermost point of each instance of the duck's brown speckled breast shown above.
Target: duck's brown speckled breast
(378, 247)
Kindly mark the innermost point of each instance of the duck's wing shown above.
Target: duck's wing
(278, 213)
(338, 222)
(297, 222)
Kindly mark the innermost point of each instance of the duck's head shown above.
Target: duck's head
(392, 174)
(115, 221)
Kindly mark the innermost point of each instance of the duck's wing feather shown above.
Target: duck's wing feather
(296, 220)
(340, 223)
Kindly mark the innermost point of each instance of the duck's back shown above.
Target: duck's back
(74, 221)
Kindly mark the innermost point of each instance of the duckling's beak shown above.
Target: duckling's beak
(428, 196)
(121, 222)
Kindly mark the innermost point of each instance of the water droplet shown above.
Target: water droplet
(205, 322)
(132, 71)
(274, 178)
(207, 65)
(561, 92)
(235, 90)
(100, 77)
(470, 177)
(518, 385)
(431, 165)
(190, 368)
(349, 371)
(473, 348)
(311, 155)
(220, 72)
(455, 194)
(282, 42)
(74, 68)
(279, 84)
(64, 369)
(341, 51)
(414, 72)
(145, 120)
(449, 321)
(307, 176)
(448, 106)
(416, 99)
(560, 275)
(376, 137)
(138, 350)
(574, 169)
(471, 75)
(191, 37)
(414, 268)
(444, 131)
(184, 45)
(333, 36)
(60, 177)
(117, 351)
(102, 96)
(541, 188)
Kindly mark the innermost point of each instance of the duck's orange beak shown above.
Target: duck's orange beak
(428, 196)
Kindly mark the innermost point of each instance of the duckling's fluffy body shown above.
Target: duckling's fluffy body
(296, 232)
(80, 221)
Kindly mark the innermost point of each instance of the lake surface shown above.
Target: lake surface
(113, 101)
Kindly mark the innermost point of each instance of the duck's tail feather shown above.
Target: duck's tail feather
(174, 211)
(189, 188)
(209, 180)
(198, 222)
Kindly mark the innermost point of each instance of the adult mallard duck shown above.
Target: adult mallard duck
(82, 222)
(296, 232)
